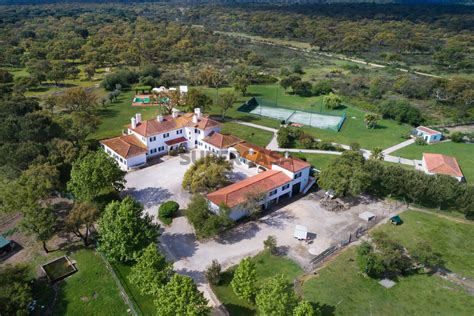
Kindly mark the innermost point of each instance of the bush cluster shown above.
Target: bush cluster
(167, 211)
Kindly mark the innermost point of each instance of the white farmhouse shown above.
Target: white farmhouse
(428, 134)
(280, 178)
(155, 137)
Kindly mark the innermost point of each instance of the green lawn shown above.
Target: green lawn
(91, 290)
(251, 134)
(453, 240)
(341, 288)
(144, 303)
(266, 266)
(464, 154)
(117, 115)
(318, 161)
(387, 133)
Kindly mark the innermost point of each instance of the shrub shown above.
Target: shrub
(204, 222)
(401, 111)
(270, 244)
(457, 137)
(213, 272)
(167, 211)
(125, 78)
(420, 141)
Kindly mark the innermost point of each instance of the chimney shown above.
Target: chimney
(195, 119)
(287, 155)
(197, 111)
(175, 113)
(159, 118)
(138, 117)
(134, 123)
(251, 151)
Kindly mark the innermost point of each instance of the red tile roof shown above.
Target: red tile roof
(442, 164)
(427, 130)
(221, 140)
(126, 146)
(176, 141)
(238, 193)
(266, 157)
(292, 164)
(169, 123)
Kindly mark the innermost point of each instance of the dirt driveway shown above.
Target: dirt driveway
(191, 257)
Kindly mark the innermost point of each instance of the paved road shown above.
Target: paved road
(398, 146)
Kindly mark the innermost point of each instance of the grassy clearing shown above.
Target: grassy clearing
(267, 266)
(464, 154)
(143, 302)
(340, 286)
(453, 240)
(387, 133)
(91, 290)
(252, 135)
(118, 114)
(318, 161)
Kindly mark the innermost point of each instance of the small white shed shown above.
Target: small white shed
(367, 216)
(301, 232)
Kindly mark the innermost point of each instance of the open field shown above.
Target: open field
(453, 240)
(464, 154)
(341, 285)
(387, 133)
(267, 266)
(318, 161)
(91, 290)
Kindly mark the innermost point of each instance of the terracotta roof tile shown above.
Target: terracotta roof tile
(126, 146)
(238, 193)
(266, 157)
(176, 141)
(442, 164)
(169, 123)
(221, 140)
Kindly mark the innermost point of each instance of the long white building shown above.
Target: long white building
(150, 138)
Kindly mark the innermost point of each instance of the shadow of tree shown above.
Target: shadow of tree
(179, 245)
(238, 233)
(149, 196)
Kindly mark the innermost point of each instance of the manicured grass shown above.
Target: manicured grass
(341, 288)
(387, 133)
(464, 154)
(144, 303)
(267, 266)
(118, 114)
(251, 134)
(318, 161)
(453, 240)
(91, 290)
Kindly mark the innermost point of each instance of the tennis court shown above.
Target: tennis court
(264, 108)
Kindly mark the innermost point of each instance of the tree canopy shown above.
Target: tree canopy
(124, 230)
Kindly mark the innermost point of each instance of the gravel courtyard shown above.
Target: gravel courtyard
(161, 182)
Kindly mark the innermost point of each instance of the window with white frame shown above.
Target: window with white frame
(166, 135)
(179, 131)
(161, 148)
(286, 186)
(297, 175)
(272, 193)
(152, 139)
